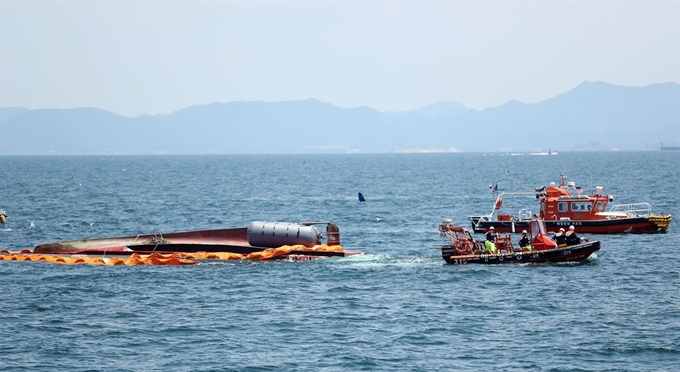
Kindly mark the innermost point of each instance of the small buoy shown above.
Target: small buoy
(377, 219)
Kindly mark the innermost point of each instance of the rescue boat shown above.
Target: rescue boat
(463, 249)
(564, 205)
(277, 239)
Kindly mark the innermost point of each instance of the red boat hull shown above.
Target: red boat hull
(233, 240)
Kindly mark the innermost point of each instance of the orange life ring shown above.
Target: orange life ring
(462, 246)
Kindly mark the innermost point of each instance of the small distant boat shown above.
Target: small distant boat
(463, 249)
(588, 213)
(550, 152)
(303, 237)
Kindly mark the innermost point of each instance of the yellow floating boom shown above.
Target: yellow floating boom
(173, 259)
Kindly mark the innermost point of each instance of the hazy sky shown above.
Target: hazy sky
(159, 56)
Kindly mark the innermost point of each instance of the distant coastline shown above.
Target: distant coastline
(588, 118)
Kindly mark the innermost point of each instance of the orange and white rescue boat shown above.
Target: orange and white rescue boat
(564, 205)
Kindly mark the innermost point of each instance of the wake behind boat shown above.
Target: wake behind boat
(463, 249)
(564, 205)
(302, 239)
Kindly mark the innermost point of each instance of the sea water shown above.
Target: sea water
(397, 308)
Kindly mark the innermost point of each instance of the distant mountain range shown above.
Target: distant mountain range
(594, 116)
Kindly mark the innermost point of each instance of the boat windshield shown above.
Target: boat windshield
(537, 228)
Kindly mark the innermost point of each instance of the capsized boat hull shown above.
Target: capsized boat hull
(608, 226)
(146, 243)
(577, 252)
(233, 240)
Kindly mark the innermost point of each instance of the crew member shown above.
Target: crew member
(560, 238)
(490, 242)
(524, 241)
(571, 236)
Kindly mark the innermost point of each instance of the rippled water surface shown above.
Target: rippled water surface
(396, 308)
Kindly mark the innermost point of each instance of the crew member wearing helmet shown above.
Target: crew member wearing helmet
(571, 236)
(490, 242)
(560, 238)
(524, 241)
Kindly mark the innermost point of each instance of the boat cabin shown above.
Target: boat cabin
(557, 203)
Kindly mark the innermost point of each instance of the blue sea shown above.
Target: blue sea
(397, 308)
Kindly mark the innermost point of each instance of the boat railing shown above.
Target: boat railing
(524, 214)
(499, 200)
(637, 209)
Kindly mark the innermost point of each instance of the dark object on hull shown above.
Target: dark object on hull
(257, 237)
(465, 250)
